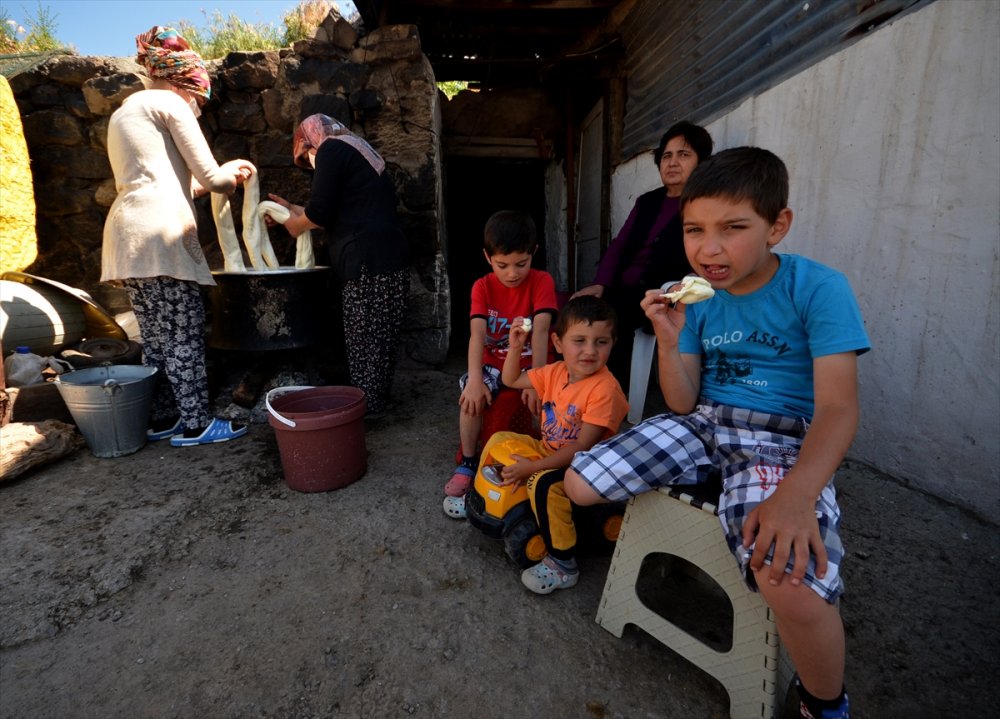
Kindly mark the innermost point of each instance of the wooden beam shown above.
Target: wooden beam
(513, 147)
(501, 5)
(609, 26)
(570, 196)
(615, 109)
(604, 223)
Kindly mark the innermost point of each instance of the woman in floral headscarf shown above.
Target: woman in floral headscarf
(161, 161)
(353, 201)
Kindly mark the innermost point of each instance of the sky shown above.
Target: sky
(109, 27)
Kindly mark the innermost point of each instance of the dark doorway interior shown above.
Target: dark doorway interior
(475, 188)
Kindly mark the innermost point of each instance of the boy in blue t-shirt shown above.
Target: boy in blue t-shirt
(761, 383)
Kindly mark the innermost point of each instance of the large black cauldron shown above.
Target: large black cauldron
(276, 309)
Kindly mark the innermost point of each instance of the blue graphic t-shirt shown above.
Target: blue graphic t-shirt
(758, 349)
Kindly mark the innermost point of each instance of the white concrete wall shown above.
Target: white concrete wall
(893, 146)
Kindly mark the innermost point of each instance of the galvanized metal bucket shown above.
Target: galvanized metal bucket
(110, 405)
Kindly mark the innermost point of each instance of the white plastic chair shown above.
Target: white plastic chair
(643, 352)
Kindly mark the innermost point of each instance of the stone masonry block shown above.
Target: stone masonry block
(104, 94)
(53, 127)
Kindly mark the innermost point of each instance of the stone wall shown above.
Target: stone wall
(380, 84)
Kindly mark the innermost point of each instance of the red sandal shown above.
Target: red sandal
(460, 482)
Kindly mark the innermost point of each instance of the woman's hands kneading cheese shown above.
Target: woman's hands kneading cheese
(297, 221)
(241, 171)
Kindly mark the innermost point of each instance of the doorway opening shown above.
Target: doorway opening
(475, 188)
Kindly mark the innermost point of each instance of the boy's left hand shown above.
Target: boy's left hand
(517, 472)
(786, 519)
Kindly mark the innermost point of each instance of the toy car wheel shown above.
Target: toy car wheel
(523, 543)
(610, 523)
(600, 524)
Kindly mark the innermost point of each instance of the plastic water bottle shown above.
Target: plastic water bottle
(23, 367)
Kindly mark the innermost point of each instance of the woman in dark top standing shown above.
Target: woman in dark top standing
(353, 201)
(649, 248)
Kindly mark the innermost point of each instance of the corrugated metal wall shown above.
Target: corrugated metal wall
(692, 60)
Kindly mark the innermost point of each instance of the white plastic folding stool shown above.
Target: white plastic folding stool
(755, 670)
(643, 351)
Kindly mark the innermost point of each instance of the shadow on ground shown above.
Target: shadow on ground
(193, 583)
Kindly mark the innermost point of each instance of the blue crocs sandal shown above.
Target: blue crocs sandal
(154, 435)
(220, 430)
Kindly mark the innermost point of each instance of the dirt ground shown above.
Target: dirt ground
(194, 583)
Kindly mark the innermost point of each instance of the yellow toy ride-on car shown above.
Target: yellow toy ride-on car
(504, 512)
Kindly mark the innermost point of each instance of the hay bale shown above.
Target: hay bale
(18, 242)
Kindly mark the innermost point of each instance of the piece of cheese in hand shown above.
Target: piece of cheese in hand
(526, 324)
(304, 257)
(255, 237)
(254, 232)
(693, 289)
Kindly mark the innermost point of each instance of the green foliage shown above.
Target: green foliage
(302, 21)
(42, 30)
(218, 38)
(8, 32)
(452, 87)
(230, 34)
(224, 35)
(40, 35)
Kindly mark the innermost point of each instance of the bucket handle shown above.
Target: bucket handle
(111, 386)
(280, 391)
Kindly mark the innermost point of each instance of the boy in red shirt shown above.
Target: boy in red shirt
(511, 290)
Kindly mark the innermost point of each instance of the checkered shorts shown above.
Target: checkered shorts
(491, 378)
(749, 451)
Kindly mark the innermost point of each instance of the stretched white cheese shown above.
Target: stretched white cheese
(304, 257)
(230, 244)
(255, 236)
(693, 289)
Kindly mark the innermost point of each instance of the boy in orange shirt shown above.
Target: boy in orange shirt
(582, 404)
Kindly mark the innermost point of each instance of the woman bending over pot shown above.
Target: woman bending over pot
(353, 201)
